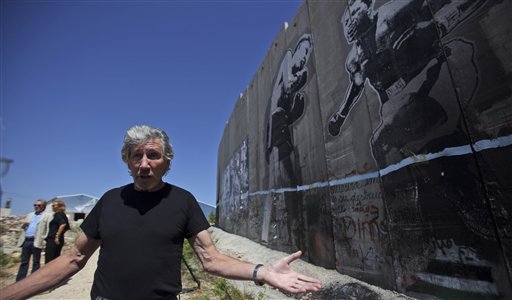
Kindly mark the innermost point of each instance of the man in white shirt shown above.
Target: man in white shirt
(31, 239)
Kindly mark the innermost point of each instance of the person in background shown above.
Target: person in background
(141, 228)
(57, 227)
(31, 238)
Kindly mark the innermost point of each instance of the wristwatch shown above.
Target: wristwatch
(254, 273)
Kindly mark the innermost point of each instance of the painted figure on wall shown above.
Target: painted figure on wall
(400, 50)
(286, 106)
(397, 51)
(233, 190)
(287, 100)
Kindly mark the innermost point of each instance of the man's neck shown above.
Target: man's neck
(158, 187)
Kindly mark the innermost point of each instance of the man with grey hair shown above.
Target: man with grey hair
(31, 239)
(141, 228)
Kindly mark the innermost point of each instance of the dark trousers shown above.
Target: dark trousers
(52, 250)
(28, 250)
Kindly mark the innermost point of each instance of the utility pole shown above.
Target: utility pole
(4, 168)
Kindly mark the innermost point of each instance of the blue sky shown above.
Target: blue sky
(76, 74)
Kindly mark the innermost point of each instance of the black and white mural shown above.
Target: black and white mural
(234, 188)
(286, 106)
(408, 55)
(397, 53)
(379, 134)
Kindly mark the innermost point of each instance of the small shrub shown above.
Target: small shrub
(225, 291)
(261, 296)
(188, 253)
(7, 261)
(211, 217)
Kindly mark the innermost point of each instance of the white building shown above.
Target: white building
(77, 206)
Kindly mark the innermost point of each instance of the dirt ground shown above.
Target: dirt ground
(335, 285)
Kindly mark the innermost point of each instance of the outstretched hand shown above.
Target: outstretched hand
(281, 276)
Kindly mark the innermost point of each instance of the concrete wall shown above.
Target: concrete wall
(376, 136)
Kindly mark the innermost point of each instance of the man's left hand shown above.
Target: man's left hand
(280, 275)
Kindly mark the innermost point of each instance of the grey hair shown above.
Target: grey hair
(43, 201)
(140, 134)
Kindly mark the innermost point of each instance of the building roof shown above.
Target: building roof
(206, 208)
(79, 203)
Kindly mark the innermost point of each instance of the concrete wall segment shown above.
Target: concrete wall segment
(383, 152)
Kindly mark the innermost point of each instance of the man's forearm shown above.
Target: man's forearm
(217, 263)
(229, 267)
(46, 277)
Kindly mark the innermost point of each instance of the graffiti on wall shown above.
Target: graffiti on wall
(460, 266)
(397, 51)
(234, 187)
(286, 106)
(287, 102)
(360, 224)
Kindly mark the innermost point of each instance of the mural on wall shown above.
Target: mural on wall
(385, 152)
(286, 106)
(234, 188)
(397, 51)
(287, 103)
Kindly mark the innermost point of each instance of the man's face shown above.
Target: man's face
(39, 207)
(148, 165)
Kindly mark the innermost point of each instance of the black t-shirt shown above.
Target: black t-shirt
(59, 218)
(142, 236)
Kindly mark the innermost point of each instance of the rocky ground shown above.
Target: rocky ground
(335, 285)
(10, 228)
